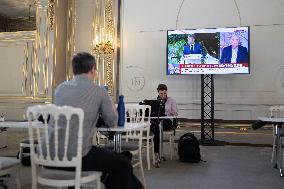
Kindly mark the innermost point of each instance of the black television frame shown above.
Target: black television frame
(248, 49)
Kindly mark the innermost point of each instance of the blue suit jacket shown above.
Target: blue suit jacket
(196, 50)
(242, 56)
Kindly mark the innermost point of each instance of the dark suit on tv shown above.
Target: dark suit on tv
(242, 55)
(196, 50)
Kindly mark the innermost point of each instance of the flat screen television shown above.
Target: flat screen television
(208, 51)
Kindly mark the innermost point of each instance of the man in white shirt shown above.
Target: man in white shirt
(234, 53)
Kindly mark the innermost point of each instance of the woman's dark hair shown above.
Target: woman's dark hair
(83, 62)
(162, 87)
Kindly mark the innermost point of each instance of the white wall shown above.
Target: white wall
(83, 29)
(14, 63)
(237, 97)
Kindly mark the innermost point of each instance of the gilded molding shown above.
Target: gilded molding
(109, 19)
(42, 68)
(51, 13)
(13, 38)
(71, 25)
(24, 98)
(109, 73)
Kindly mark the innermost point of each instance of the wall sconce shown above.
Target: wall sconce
(103, 49)
(103, 46)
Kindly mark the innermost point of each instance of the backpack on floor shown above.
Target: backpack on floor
(188, 148)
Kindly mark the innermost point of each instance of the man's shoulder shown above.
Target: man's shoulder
(62, 85)
(170, 99)
(186, 46)
(78, 85)
(242, 48)
(227, 49)
(197, 44)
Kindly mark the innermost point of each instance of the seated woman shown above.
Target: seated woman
(168, 124)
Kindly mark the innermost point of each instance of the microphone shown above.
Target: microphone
(161, 102)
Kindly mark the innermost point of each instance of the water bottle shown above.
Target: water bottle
(105, 88)
(121, 111)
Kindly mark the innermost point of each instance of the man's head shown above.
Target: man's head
(84, 63)
(191, 39)
(235, 41)
(162, 91)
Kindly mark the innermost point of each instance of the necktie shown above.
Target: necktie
(191, 48)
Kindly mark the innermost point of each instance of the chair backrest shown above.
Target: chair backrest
(146, 109)
(276, 111)
(134, 113)
(147, 113)
(53, 149)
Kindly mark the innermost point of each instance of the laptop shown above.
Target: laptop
(157, 108)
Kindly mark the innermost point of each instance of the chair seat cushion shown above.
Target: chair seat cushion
(129, 147)
(64, 175)
(168, 132)
(124, 147)
(27, 141)
(7, 162)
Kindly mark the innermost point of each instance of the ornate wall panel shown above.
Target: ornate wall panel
(44, 53)
(71, 24)
(27, 65)
(16, 52)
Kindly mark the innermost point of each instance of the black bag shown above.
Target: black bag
(188, 149)
(134, 182)
(258, 124)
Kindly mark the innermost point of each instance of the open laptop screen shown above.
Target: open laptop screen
(157, 108)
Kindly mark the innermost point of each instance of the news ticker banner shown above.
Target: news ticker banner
(214, 68)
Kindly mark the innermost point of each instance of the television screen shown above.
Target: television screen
(208, 51)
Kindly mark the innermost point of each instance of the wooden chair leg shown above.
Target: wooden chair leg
(99, 184)
(18, 183)
(153, 152)
(142, 174)
(148, 154)
(171, 146)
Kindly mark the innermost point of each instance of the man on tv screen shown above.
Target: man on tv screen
(192, 51)
(234, 53)
(192, 47)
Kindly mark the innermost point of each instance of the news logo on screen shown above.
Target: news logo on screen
(208, 51)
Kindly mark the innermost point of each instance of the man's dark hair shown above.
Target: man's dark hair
(162, 87)
(83, 62)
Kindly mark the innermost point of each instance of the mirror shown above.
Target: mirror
(17, 15)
